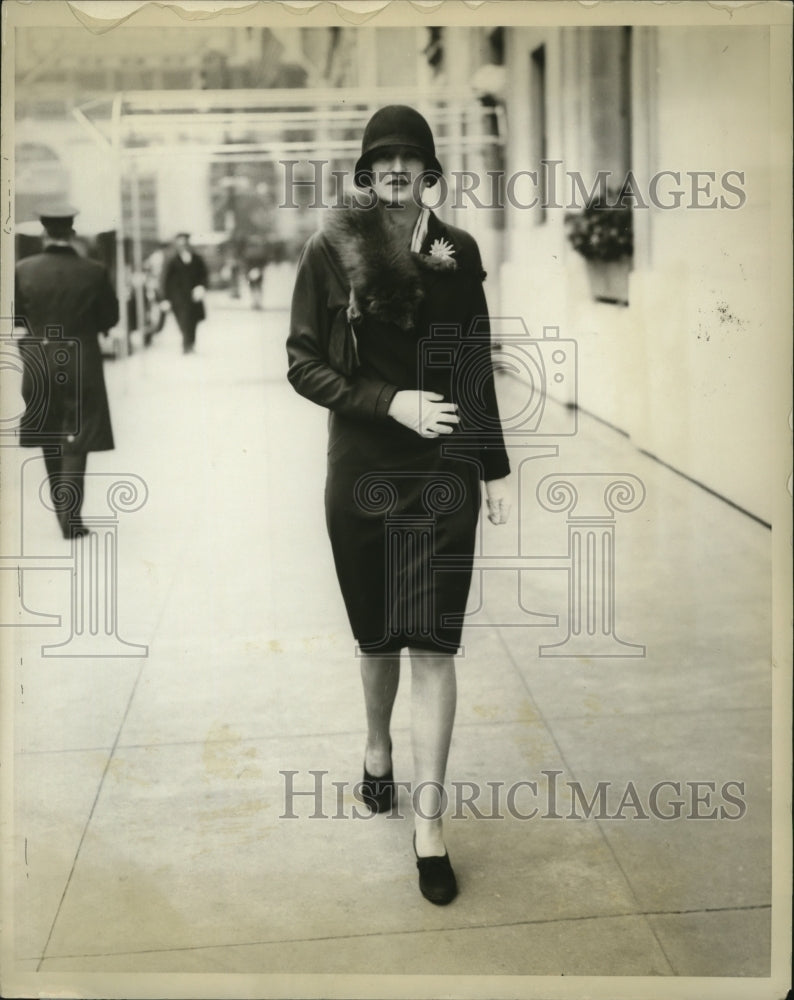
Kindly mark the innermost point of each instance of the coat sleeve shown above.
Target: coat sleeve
(483, 416)
(107, 304)
(165, 279)
(20, 305)
(309, 372)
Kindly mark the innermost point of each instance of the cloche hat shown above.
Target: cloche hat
(397, 125)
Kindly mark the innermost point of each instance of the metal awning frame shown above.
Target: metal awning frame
(118, 123)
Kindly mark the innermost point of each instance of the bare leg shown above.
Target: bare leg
(433, 700)
(380, 676)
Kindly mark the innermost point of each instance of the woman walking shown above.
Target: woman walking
(414, 428)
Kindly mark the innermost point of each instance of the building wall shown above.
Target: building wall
(684, 369)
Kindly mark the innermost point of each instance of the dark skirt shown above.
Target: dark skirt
(402, 519)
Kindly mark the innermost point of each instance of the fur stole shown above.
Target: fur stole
(385, 275)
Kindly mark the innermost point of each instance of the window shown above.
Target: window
(539, 122)
(610, 100)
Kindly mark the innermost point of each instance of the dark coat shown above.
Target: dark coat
(179, 280)
(379, 470)
(64, 298)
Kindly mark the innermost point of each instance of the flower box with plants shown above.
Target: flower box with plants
(603, 233)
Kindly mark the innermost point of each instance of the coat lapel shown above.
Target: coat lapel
(436, 230)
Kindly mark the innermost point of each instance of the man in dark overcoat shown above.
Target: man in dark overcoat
(184, 285)
(64, 301)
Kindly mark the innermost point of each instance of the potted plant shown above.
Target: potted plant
(603, 233)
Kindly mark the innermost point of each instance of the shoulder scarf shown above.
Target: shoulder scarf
(384, 273)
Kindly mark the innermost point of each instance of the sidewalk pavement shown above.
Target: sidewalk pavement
(149, 790)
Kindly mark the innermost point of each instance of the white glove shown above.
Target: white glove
(424, 412)
(198, 293)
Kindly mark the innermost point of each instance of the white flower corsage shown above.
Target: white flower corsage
(443, 253)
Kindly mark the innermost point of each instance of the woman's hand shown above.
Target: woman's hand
(424, 412)
(498, 500)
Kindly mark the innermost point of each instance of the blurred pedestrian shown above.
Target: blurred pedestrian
(255, 264)
(406, 436)
(62, 296)
(184, 287)
(255, 276)
(153, 284)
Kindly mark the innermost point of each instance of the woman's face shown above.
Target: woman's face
(397, 175)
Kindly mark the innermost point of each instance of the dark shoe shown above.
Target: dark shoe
(77, 529)
(378, 793)
(73, 528)
(436, 878)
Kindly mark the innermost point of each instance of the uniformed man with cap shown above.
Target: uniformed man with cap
(65, 301)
